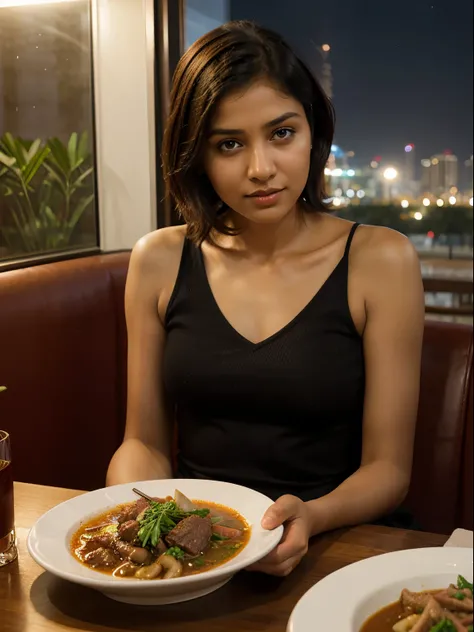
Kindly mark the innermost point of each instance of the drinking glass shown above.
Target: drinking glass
(8, 550)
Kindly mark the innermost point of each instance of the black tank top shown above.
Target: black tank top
(283, 416)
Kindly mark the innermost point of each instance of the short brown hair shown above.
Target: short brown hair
(228, 58)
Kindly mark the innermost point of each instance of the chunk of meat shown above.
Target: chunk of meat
(191, 534)
(433, 613)
(460, 627)
(227, 532)
(132, 511)
(453, 590)
(135, 509)
(160, 548)
(451, 603)
(102, 540)
(102, 558)
(128, 531)
(414, 603)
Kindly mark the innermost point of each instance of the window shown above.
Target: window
(47, 165)
(201, 16)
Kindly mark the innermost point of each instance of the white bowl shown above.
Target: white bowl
(49, 539)
(372, 584)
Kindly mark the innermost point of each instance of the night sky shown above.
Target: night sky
(402, 69)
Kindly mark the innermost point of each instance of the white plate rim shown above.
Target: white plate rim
(352, 575)
(132, 585)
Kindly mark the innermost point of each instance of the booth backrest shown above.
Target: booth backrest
(442, 456)
(63, 360)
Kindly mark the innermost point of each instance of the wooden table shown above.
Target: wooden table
(32, 600)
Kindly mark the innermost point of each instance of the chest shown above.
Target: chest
(258, 301)
(262, 341)
(312, 366)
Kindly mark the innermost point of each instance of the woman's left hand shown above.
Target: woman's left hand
(293, 514)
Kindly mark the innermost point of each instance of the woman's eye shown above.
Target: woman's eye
(228, 145)
(283, 133)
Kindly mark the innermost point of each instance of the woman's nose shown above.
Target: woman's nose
(261, 165)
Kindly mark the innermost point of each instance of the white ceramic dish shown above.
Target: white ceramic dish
(48, 540)
(374, 583)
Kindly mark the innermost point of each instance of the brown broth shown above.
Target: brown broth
(385, 619)
(218, 553)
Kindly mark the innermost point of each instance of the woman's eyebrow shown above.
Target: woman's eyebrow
(218, 131)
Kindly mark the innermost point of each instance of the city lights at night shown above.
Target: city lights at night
(390, 173)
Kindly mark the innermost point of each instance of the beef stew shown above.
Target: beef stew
(160, 538)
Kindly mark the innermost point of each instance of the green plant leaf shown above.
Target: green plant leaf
(77, 214)
(78, 182)
(9, 161)
(59, 155)
(77, 165)
(39, 183)
(35, 162)
(35, 145)
(56, 178)
(72, 150)
(53, 220)
(13, 147)
(83, 148)
(22, 228)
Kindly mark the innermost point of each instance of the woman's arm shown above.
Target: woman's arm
(389, 270)
(146, 450)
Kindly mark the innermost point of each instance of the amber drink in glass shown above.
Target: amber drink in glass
(8, 550)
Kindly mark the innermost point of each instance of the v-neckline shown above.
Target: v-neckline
(282, 330)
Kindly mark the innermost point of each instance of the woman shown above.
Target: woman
(284, 341)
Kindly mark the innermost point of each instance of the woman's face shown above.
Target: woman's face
(257, 153)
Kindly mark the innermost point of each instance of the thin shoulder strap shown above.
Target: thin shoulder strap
(350, 238)
(182, 276)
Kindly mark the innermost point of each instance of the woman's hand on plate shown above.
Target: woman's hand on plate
(293, 514)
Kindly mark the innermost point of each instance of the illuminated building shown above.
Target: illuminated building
(326, 71)
(468, 176)
(440, 173)
(410, 162)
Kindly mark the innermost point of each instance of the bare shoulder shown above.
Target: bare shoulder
(388, 273)
(158, 253)
(383, 249)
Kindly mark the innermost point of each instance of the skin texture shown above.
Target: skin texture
(282, 252)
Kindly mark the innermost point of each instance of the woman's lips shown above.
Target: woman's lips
(266, 200)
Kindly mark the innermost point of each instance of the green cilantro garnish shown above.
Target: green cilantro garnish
(463, 583)
(161, 518)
